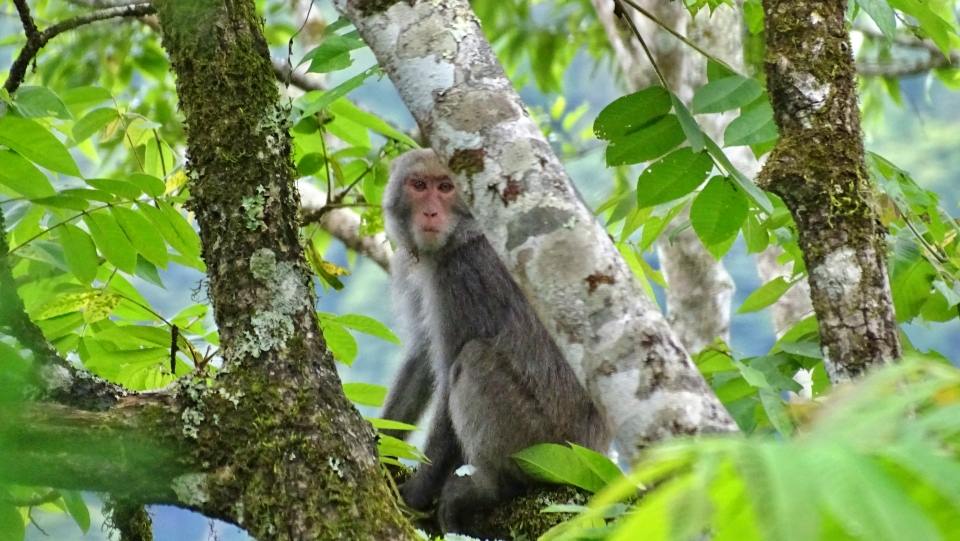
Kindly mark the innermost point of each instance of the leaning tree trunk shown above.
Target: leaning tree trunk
(817, 168)
(620, 346)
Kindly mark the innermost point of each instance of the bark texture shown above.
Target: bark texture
(817, 168)
(289, 457)
(618, 343)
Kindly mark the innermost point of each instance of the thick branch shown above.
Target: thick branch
(127, 450)
(613, 336)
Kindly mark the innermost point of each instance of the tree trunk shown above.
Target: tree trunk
(817, 168)
(617, 341)
(295, 459)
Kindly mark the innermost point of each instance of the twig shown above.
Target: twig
(672, 32)
(646, 50)
(37, 39)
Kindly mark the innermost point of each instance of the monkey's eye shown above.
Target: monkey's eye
(446, 186)
(419, 185)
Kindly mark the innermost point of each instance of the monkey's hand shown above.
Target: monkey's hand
(420, 491)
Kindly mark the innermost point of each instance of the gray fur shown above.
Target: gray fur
(501, 381)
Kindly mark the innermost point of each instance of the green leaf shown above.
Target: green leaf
(779, 487)
(690, 127)
(941, 472)
(725, 94)
(931, 24)
(647, 144)
(776, 411)
(718, 211)
(742, 181)
(803, 349)
(765, 295)
(21, 176)
(672, 177)
(752, 376)
(864, 500)
(326, 98)
(311, 163)
(751, 127)
(166, 230)
(148, 184)
(343, 108)
(82, 97)
(11, 523)
(63, 304)
(148, 271)
(100, 307)
(121, 188)
(143, 235)
(40, 102)
(629, 113)
(332, 55)
(387, 424)
(64, 202)
(93, 122)
(367, 325)
(188, 237)
(366, 394)
(882, 14)
(605, 469)
(77, 508)
(37, 144)
(340, 342)
(557, 464)
(79, 252)
(111, 241)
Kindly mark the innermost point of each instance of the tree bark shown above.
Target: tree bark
(618, 343)
(293, 458)
(817, 168)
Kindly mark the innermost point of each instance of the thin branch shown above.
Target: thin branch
(906, 68)
(646, 50)
(36, 39)
(672, 32)
(303, 81)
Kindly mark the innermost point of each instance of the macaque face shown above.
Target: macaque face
(432, 198)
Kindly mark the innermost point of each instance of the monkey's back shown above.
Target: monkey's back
(511, 387)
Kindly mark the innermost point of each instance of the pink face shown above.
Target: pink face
(432, 198)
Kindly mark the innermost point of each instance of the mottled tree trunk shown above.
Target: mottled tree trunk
(289, 455)
(617, 342)
(817, 168)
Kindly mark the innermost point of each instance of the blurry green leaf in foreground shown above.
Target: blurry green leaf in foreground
(879, 461)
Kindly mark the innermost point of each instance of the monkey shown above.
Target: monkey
(473, 340)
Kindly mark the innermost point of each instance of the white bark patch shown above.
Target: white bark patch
(815, 92)
(191, 489)
(839, 275)
(55, 377)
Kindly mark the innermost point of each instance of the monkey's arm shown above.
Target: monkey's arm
(411, 390)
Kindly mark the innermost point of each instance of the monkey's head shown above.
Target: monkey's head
(422, 209)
